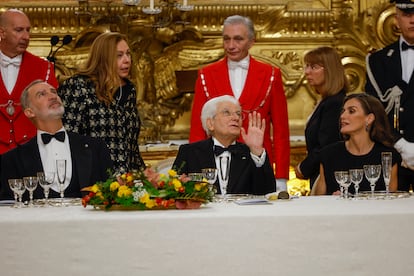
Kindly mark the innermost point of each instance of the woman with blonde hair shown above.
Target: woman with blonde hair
(100, 100)
(326, 75)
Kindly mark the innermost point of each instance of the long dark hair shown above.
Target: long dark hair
(380, 130)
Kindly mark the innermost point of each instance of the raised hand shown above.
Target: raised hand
(255, 133)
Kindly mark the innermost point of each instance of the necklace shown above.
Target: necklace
(120, 95)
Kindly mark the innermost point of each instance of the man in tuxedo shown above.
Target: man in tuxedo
(18, 68)
(257, 86)
(390, 78)
(88, 159)
(242, 168)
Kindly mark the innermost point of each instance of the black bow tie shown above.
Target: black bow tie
(46, 137)
(219, 150)
(405, 46)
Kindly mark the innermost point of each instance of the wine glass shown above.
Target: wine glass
(356, 176)
(211, 175)
(372, 173)
(14, 184)
(20, 189)
(342, 177)
(386, 161)
(61, 177)
(46, 180)
(30, 182)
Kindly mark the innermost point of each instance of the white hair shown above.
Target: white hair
(210, 109)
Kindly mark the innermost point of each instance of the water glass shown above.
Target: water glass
(46, 180)
(342, 177)
(356, 176)
(15, 184)
(372, 173)
(30, 182)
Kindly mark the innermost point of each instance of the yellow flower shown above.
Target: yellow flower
(197, 187)
(129, 178)
(124, 191)
(176, 183)
(150, 203)
(172, 173)
(95, 188)
(100, 195)
(114, 186)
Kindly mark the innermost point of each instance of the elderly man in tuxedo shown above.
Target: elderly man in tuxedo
(88, 159)
(256, 85)
(390, 78)
(242, 168)
(18, 68)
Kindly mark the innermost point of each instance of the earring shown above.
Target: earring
(366, 126)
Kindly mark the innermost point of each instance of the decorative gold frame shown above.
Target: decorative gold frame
(167, 58)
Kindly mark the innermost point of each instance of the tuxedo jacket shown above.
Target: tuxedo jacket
(321, 130)
(16, 128)
(269, 101)
(90, 163)
(244, 176)
(386, 68)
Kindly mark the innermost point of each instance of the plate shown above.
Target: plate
(383, 194)
(68, 201)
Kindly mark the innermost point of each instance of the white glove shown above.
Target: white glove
(406, 149)
(281, 184)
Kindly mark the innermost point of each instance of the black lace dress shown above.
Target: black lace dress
(117, 124)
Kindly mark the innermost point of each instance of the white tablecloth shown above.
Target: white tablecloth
(304, 236)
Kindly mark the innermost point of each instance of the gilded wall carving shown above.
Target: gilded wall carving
(168, 48)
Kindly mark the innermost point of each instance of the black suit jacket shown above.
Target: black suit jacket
(244, 176)
(90, 163)
(321, 130)
(386, 68)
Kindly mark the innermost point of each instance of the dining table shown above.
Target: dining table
(307, 235)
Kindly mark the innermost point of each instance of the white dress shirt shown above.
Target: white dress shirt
(238, 74)
(53, 151)
(9, 70)
(407, 62)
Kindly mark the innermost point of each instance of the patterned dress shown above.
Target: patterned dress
(117, 124)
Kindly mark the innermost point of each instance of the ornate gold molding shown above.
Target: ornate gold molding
(167, 58)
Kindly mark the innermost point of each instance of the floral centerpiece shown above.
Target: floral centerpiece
(148, 189)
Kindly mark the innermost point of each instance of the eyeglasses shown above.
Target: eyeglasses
(228, 113)
(313, 67)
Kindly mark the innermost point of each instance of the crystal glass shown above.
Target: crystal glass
(15, 184)
(30, 182)
(356, 176)
(372, 173)
(211, 175)
(342, 177)
(386, 161)
(61, 177)
(46, 180)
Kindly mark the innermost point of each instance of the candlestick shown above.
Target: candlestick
(185, 3)
(151, 4)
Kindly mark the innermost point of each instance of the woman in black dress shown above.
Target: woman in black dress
(366, 131)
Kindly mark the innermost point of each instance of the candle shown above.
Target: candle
(151, 4)
(185, 3)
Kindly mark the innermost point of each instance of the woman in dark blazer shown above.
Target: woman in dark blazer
(326, 75)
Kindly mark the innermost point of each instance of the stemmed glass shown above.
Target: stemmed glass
(15, 185)
(46, 180)
(342, 177)
(372, 173)
(386, 161)
(356, 176)
(30, 182)
(211, 175)
(61, 177)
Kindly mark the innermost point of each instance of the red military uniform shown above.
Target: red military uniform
(263, 92)
(15, 128)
